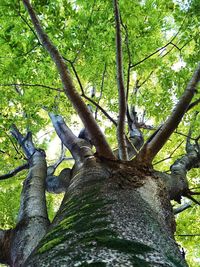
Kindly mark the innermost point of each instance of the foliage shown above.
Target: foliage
(84, 33)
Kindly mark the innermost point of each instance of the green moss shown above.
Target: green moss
(85, 226)
(123, 245)
(94, 264)
(49, 245)
(137, 262)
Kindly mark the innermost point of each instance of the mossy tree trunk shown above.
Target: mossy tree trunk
(111, 215)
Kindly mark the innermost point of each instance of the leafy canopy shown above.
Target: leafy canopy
(160, 45)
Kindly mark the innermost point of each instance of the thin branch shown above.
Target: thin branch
(151, 148)
(29, 26)
(13, 144)
(76, 74)
(101, 90)
(185, 135)
(98, 138)
(169, 157)
(159, 49)
(88, 98)
(14, 172)
(191, 198)
(121, 90)
(193, 104)
(100, 108)
(129, 58)
(32, 85)
(147, 78)
(86, 33)
(192, 235)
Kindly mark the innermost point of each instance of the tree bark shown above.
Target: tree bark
(111, 215)
(32, 218)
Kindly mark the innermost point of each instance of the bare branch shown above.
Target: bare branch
(121, 90)
(192, 198)
(101, 90)
(14, 172)
(98, 138)
(171, 154)
(161, 48)
(192, 235)
(152, 147)
(185, 135)
(100, 108)
(29, 26)
(129, 58)
(32, 85)
(76, 74)
(193, 104)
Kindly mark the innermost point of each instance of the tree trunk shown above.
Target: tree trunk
(113, 214)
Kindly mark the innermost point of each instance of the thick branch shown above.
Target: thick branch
(98, 139)
(32, 217)
(14, 172)
(136, 136)
(121, 89)
(79, 148)
(152, 147)
(25, 142)
(178, 184)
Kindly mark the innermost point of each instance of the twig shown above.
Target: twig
(29, 26)
(13, 144)
(189, 235)
(129, 57)
(14, 172)
(32, 85)
(191, 198)
(86, 33)
(100, 108)
(185, 135)
(101, 90)
(193, 104)
(169, 157)
(159, 49)
(147, 78)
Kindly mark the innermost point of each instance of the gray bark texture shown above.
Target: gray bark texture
(112, 215)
